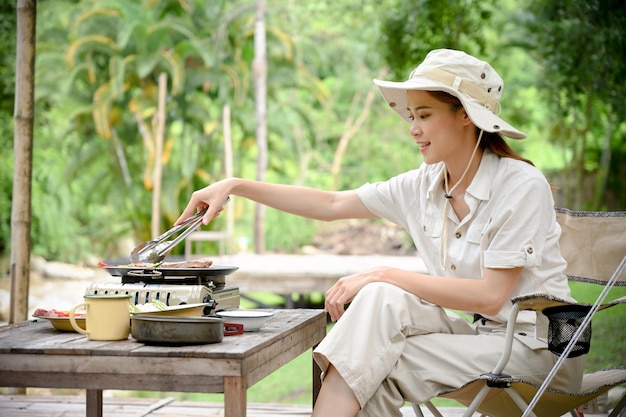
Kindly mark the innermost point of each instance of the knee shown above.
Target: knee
(386, 401)
(380, 294)
(381, 288)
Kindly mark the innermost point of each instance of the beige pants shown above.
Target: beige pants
(391, 346)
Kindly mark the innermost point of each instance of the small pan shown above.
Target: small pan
(170, 330)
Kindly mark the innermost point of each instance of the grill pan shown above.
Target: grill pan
(168, 330)
(215, 273)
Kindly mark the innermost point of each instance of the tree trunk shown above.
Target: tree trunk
(23, 154)
(260, 79)
(351, 128)
(605, 165)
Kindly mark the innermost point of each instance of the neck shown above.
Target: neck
(455, 173)
(460, 175)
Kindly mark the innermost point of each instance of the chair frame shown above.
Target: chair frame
(497, 379)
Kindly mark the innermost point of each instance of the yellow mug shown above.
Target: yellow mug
(108, 317)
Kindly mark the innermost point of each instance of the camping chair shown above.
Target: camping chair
(594, 244)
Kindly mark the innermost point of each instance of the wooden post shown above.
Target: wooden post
(260, 83)
(23, 154)
(228, 172)
(157, 175)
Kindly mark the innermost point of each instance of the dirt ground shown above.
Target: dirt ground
(361, 237)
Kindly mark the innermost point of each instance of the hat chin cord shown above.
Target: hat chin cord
(443, 242)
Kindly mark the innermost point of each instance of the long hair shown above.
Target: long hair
(490, 140)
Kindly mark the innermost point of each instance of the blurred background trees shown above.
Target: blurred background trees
(98, 64)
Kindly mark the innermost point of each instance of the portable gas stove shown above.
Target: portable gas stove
(174, 286)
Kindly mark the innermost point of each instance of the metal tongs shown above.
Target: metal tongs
(155, 250)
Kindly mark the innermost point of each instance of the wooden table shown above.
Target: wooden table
(34, 354)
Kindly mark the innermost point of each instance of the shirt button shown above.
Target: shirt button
(453, 267)
(529, 251)
(457, 235)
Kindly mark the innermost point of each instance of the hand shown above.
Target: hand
(346, 288)
(211, 198)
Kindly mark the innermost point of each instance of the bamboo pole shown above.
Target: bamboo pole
(260, 78)
(159, 129)
(228, 171)
(23, 154)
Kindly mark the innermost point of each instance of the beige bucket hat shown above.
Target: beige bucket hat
(471, 80)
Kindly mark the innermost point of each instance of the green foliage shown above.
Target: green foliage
(592, 64)
(7, 82)
(6, 183)
(97, 67)
(583, 86)
(7, 59)
(411, 29)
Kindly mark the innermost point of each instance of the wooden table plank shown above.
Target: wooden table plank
(35, 355)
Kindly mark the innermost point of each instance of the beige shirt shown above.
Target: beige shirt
(511, 223)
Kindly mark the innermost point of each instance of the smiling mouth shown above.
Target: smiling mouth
(423, 145)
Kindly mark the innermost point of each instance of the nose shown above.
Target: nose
(415, 130)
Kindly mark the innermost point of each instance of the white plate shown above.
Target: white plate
(179, 310)
(252, 320)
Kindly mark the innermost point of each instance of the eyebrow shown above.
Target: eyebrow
(418, 108)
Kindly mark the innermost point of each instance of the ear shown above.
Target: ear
(464, 118)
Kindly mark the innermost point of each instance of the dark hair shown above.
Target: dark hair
(490, 140)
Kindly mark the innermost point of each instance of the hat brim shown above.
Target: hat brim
(395, 95)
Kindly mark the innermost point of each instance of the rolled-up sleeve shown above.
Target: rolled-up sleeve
(390, 199)
(518, 233)
(510, 259)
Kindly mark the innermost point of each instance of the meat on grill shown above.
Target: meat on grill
(195, 263)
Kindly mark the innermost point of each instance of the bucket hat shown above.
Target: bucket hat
(471, 80)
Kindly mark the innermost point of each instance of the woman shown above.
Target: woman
(482, 219)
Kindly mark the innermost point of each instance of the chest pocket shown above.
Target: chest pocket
(431, 223)
(475, 233)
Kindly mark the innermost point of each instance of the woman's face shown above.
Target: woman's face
(437, 129)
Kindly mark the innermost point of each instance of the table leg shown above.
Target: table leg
(235, 402)
(94, 403)
(317, 381)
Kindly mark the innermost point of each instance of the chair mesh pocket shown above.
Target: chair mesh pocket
(563, 323)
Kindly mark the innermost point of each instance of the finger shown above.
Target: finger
(214, 210)
(334, 307)
(331, 312)
(187, 212)
(210, 215)
(335, 311)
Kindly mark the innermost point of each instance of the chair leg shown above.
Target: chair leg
(519, 401)
(431, 407)
(620, 408)
(417, 410)
(480, 396)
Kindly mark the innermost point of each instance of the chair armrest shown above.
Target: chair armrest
(539, 302)
(565, 317)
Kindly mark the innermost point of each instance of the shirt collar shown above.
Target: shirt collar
(435, 192)
(479, 188)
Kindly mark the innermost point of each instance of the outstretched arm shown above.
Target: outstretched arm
(302, 201)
